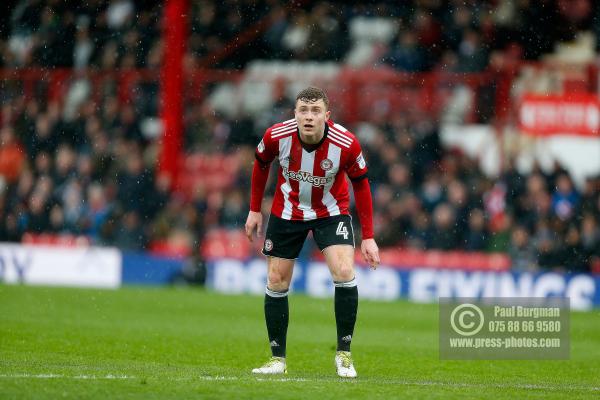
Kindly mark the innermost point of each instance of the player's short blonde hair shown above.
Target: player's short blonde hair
(312, 94)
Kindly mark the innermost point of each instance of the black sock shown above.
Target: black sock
(346, 307)
(277, 317)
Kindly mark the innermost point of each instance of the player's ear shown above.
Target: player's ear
(327, 114)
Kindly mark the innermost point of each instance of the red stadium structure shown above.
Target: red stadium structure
(175, 21)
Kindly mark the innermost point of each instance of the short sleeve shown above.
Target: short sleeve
(357, 166)
(267, 149)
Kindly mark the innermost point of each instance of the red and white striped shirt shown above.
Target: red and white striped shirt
(311, 182)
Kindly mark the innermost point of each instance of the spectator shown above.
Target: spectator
(499, 238)
(565, 198)
(135, 184)
(443, 233)
(432, 192)
(590, 238)
(295, 38)
(589, 195)
(12, 156)
(419, 231)
(521, 250)
(73, 205)
(234, 212)
(57, 220)
(407, 55)
(278, 24)
(9, 229)
(458, 199)
(476, 234)
(571, 255)
(64, 165)
(130, 234)
(472, 56)
(96, 212)
(84, 46)
(326, 39)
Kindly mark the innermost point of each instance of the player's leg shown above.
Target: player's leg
(340, 260)
(279, 276)
(283, 242)
(336, 240)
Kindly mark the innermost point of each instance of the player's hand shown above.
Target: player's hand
(254, 221)
(370, 252)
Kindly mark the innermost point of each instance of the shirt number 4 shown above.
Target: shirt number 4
(342, 230)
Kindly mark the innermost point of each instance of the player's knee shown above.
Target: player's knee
(344, 272)
(276, 281)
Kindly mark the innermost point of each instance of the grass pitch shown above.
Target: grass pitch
(189, 343)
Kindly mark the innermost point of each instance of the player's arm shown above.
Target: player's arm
(357, 171)
(260, 174)
(364, 207)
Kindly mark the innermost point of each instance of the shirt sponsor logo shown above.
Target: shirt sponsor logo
(303, 176)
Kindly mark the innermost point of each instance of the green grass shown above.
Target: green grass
(189, 343)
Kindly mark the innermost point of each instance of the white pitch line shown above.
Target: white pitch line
(408, 383)
(57, 376)
(324, 379)
(284, 380)
(212, 378)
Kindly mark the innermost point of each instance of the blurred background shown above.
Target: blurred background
(131, 125)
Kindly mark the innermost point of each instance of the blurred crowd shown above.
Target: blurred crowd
(84, 164)
(85, 176)
(55, 33)
(101, 184)
(460, 35)
(426, 197)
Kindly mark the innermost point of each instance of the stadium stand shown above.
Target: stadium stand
(79, 138)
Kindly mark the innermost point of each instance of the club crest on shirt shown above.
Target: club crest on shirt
(268, 245)
(261, 146)
(326, 164)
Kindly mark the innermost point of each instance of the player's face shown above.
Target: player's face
(311, 117)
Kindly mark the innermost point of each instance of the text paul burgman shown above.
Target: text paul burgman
(529, 312)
